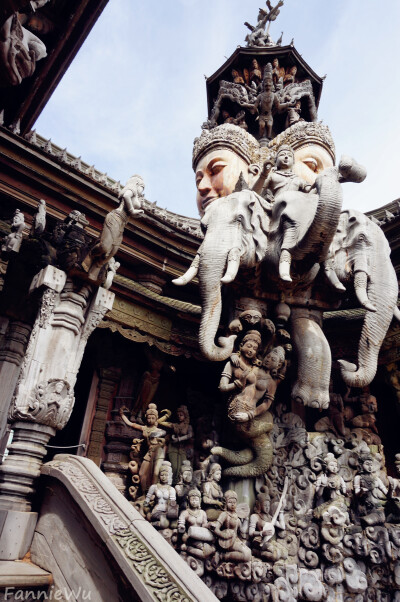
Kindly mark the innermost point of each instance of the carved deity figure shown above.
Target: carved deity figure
(258, 36)
(368, 489)
(212, 493)
(280, 180)
(184, 484)
(180, 447)
(335, 421)
(262, 529)
(267, 103)
(278, 72)
(154, 437)
(330, 486)
(161, 499)
(239, 378)
(114, 224)
(13, 241)
(255, 72)
(228, 529)
(290, 76)
(197, 539)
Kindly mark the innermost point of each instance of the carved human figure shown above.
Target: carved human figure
(114, 224)
(13, 241)
(239, 378)
(363, 421)
(278, 72)
(39, 219)
(267, 102)
(269, 376)
(237, 78)
(282, 179)
(330, 487)
(228, 529)
(197, 539)
(184, 484)
(154, 437)
(212, 493)
(293, 114)
(180, 447)
(148, 383)
(255, 72)
(290, 76)
(161, 499)
(262, 529)
(368, 489)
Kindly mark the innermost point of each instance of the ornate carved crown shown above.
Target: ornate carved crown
(304, 133)
(228, 136)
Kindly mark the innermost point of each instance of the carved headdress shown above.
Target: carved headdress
(227, 136)
(252, 335)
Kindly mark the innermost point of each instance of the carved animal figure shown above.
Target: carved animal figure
(360, 255)
(254, 460)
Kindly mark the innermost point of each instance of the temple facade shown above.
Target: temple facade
(194, 409)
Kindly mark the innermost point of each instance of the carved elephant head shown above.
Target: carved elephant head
(360, 255)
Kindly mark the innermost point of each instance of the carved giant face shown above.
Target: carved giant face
(311, 160)
(231, 503)
(217, 174)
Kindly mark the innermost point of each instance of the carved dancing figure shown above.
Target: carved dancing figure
(228, 529)
(154, 437)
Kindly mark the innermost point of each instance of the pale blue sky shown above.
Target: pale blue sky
(134, 98)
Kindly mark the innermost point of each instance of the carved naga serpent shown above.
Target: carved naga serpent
(256, 459)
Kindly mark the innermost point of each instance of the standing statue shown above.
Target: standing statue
(267, 103)
(228, 530)
(180, 447)
(13, 241)
(114, 224)
(154, 437)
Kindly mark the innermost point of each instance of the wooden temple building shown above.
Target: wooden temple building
(143, 350)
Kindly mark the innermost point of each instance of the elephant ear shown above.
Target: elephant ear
(259, 211)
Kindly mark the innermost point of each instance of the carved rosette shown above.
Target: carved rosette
(50, 404)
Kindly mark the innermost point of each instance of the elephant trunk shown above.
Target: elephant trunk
(326, 219)
(211, 269)
(382, 294)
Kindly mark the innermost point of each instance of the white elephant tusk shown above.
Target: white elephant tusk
(232, 267)
(360, 288)
(190, 274)
(332, 277)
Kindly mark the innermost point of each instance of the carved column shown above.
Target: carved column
(43, 400)
(11, 354)
(109, 377)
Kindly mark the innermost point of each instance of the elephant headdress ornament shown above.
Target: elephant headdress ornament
(256, 210)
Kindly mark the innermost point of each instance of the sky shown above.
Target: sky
(134, 97)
